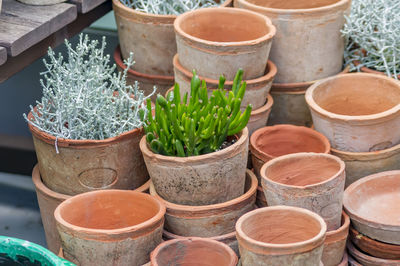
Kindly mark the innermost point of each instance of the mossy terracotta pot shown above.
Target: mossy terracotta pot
(348, 110)
(219, 41)
(280, 235)
(314, 181)
(268, 143)
(199, 180)
(193, 251)
(110, 227)
(364, 259)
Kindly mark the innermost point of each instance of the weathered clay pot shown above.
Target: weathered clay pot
(209, 220)
(256, 89)
(308, 44)
(270, 142)
(259, 117)
(219, 41)
(367, 260)
(335, 243)
(373, 203)
(146, 81)
(349, 112)
(361, 164)
(261, 201)
(110, 227)
(314, 181)
(193, 251)
(199, 180)
(280, 235)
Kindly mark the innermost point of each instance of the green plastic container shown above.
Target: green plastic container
(22, 252)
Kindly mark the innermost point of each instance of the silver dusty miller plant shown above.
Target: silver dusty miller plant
(168, 7)
(373, 35)
(83, 97)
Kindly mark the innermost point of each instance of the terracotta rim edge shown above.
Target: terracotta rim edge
(340, 233)
(357, 253)
(366, 156)
(221, 238)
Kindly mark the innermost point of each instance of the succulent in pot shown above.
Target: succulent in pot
(196, 146)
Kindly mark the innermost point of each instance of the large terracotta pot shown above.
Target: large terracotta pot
(280, 235)
(314, 181)
(348, 110)
(308, 44)
(110, 227)
(199, 180)
(219, 41)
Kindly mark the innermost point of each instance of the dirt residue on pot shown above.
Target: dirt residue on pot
(293, 4)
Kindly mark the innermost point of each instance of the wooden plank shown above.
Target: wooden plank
(16, 64)
(22, 26)
(3, 55)
(85, 6)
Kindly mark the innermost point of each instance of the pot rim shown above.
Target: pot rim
(342, 232)
(357, 254)
(302, 154)
(228, 236)
(39, 185)
(265, 108)
(350, 118)
(366, 156)
(237, 11)
(260, 132)
(280, 249)
(370, 70)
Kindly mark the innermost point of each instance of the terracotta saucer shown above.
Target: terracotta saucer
(367, 260)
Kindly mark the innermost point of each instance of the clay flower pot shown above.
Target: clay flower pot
(367, 260)
(270, 142)
(280, 235)
(348, 110)
(314, 181)
(372, 204)
(110, 227)
(193, 251)
(308, 44)
(259, 117)
(335, 243)
(261, 201)
(199, 180)
(369, 70)
(209, 220)
(219, 41)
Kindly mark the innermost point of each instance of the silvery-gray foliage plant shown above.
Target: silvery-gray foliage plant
(84, 97)
(168, 7)
(372, 34)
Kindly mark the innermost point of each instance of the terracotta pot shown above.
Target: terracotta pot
(39, 2)
(335, 243)
(219, 41)
(48, 201)
(347, 110)
(209, 220)
(373, 203)
(256, 89)
(352, 261)
(361, 164)
(199, 180)
(193, 251)
(259, 117)
(261, 201)
(110, 227)
(280, 235)
(369, 70)
(308, 44)
(146, 81)
(270, 142)
(367, 260)
(314, 181)
(345, 260)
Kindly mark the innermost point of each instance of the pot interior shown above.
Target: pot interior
(111, 210)
(357, 95)
(281, 226)
(221, 25)
(293, 4)
(302, 170)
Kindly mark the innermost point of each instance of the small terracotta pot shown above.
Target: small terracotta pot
(349, 112)
(219, 41)
(256, 89)
(280, 235)
(270, 142)
(261, 201)
(373, 203)
(110, 227)
(314, 181)
(335, 243)
(193, 251)
(199, 180)
(367, 260)
(209, 220)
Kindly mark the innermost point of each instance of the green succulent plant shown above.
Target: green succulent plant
(197, 124)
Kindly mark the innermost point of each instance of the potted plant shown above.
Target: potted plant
(196, 148)
(88, 124)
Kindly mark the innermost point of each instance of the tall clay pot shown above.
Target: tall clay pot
(308, 44)
(199, 180)
(219, 41)
(280, 235)
(314, 181)
(110, 227)
(357, 112)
